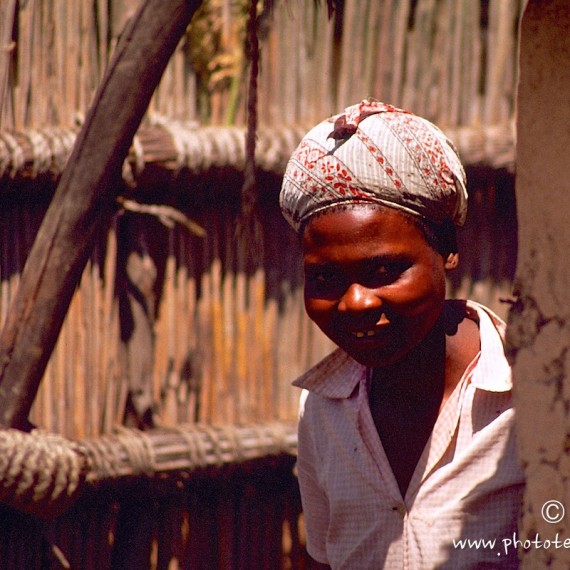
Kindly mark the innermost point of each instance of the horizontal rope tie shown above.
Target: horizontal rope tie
(139, 451)
(40, 472)
(11, 155)
(200, 149)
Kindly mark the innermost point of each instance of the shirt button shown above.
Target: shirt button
(401, 508)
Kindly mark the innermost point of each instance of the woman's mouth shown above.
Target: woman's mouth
(362, 334)
(367, 346)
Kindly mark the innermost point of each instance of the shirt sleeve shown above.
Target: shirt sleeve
(313, 497)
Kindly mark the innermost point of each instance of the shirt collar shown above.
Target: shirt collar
(337, 375)
(493, 371)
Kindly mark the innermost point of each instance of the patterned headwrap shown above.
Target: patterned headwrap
(375, 153)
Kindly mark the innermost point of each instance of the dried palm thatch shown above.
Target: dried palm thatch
(453, 62)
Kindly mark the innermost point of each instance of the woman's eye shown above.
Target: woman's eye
(387, 273)
(325, 278)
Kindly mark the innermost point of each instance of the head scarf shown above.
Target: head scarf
(375, 153)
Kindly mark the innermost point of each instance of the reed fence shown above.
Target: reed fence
(244, 517)
(194, 496)
(451, 61)
(181, 333)
(194, 328)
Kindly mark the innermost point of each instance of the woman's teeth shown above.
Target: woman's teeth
(361, 334)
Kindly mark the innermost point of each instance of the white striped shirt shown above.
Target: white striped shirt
(467, 484)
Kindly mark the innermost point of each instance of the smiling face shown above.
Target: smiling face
(373, 284)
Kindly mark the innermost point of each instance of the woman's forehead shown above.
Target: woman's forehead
(361, 226)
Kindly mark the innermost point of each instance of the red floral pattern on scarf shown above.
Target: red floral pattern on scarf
(394, 158)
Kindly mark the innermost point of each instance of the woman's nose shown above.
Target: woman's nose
(358, 298)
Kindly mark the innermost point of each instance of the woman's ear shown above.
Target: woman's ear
(452, 261)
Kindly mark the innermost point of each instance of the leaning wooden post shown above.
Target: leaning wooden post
(84, 201)
(539, 328)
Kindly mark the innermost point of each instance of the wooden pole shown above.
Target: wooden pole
(84, 200)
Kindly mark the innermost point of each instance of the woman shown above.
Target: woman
(406, 454)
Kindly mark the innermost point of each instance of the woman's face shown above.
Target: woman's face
(372, 282)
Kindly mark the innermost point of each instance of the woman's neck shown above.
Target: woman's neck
(432, 370)
(419, 374)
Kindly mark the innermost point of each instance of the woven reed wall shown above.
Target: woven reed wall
(196, 328)
(188, 326)
(245, 517)
(451, 61)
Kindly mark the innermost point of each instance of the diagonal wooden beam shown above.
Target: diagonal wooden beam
(83, 201)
